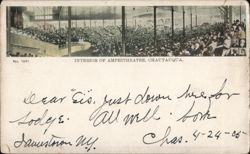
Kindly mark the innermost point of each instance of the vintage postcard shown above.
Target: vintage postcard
(125, 76)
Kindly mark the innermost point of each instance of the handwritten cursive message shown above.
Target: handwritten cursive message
(197, 105)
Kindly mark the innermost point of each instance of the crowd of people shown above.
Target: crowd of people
(51, 35)
(219, 39)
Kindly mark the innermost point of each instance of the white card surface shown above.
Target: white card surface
(124, 77)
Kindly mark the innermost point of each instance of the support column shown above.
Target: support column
(196, 18)
(134, 17)
(183, 24)
(123, 32)
(8, 29)
(191, 19)
(76, 16)
(126, 22)
(69, 31)
(115, 15)
(172, 20)
(43, 17)
(103, 18)
(90, 16)
(155, 25)
(240, 13)
(59, 17)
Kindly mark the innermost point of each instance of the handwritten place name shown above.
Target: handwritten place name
(56, 141)
(87, 142)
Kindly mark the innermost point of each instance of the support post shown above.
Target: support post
(155, 25)
(240, 13)
(69, 31)
(183, 20)
(196, 17)
(172, 20)
(123, 32)
(76, 16)
(115, 15)
(59, 17)
(191, 19)
(44, 17)
(8, 29)
(90, 16)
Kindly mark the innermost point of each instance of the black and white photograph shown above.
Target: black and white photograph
(128, 31)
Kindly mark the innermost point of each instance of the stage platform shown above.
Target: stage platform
(24, 45)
